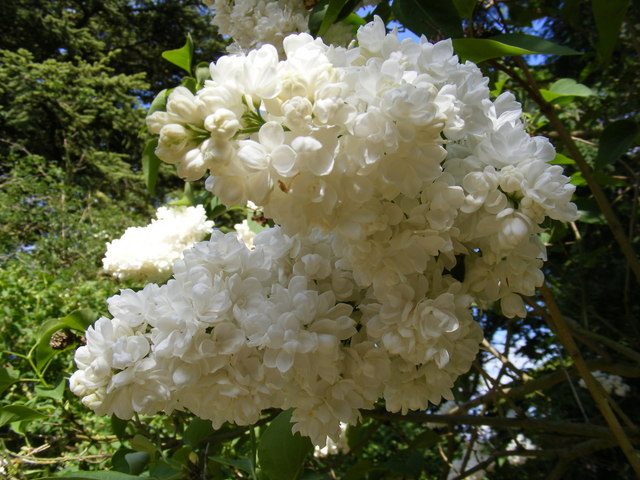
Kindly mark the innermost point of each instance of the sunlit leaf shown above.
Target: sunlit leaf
(56, 393)
(561, 159)
(203, 73)
(331, 14)
(190, 83)
(534, 44)
(181, 57)
(563, 88)
(19, 413)
(481, 49)
(159, 103)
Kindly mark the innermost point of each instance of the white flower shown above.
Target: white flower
(148, 253)
(252, 23)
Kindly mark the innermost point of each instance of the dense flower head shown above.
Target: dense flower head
(404, 196)
(253, 23)
(148, 253)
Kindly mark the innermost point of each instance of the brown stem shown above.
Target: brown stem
(566, 428)
(564, 334)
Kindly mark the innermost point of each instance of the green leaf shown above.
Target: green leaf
(499, 86)
(191, 83)
(150, 165)
(56, 393)
(107, 475)
(608, 15)
(140, 443)
(565, 88)
(331, 15)
(218, 210)
(429, 18)
(19, 413)
(254, 226)
(282, 454)
(577, 179)
(118, 426)
(243, 464)
(118, 462)
(615, 140)
(181, 57)
(79, 320)
(202, 73)
(197, 431)
(534, 44)
(167, 470)
(355, 20)
(465, 7)
(561, 159)
(6, 379)
(137, 461)
(481, 49)
(316, 16)
(159, 103)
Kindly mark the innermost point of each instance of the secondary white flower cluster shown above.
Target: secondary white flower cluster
(253, 23)
(148, 253)
(611, 383)
(404, 195)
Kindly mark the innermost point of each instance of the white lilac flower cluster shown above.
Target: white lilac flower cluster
(148, 253)
(253, 23)
(405, 195)
(612, 384)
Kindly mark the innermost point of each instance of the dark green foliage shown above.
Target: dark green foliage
(132, 34)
